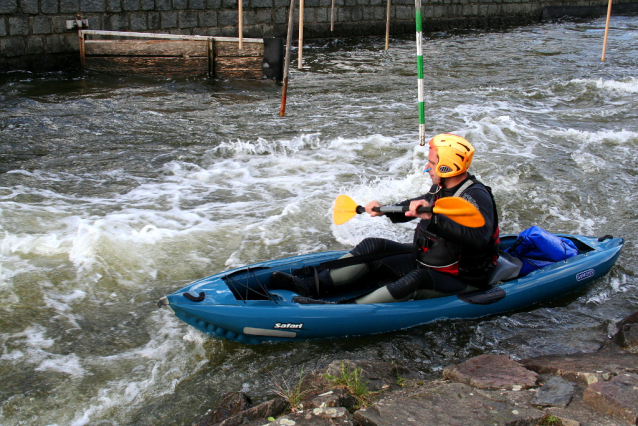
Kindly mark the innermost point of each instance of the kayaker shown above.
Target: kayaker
(444, 258)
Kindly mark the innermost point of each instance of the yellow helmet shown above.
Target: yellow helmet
(455, 154)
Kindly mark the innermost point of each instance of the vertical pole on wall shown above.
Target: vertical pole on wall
(300, 46)
(419, 64)
(211, 58)
(606, 30)
(332, 16)
(241, 24)
(82, 51)
(387, 26)
(291, 13)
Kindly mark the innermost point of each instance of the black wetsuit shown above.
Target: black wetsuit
(438, 240)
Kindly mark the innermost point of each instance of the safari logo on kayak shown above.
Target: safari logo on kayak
(585, 274)
(289, 325)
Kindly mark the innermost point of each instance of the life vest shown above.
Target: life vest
(471, 266)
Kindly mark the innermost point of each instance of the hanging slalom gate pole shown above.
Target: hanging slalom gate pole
(606, 30)
(291, 13)
(419, 64)
(241, 24)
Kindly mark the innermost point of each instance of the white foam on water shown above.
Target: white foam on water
(616, 284)
(151, 370)
(67, 364)
(35, 350)
(584, 138)
(262, 146)
(63, 305)
(628, 86)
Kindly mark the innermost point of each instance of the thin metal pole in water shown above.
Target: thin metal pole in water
(300, 46)
(291, 13)
(387, 26)
(419, 63)
(606, 30)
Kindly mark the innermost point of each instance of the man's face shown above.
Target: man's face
(433, 159)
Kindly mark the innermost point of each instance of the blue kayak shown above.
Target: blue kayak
(237, 305)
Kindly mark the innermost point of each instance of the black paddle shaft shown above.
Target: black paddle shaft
(395, 209)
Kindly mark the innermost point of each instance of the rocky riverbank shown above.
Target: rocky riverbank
(594, 389)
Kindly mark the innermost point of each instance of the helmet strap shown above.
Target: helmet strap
(438, 189)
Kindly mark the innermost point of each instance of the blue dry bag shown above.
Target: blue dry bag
(538, 248)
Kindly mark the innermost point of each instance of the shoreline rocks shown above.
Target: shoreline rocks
(586, 389)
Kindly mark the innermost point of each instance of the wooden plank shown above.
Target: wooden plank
(179, 48)
(187, 67)
(166, 36)
(231, 49)
(239, 75)
(238, 68)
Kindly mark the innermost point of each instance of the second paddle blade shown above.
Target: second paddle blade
(345, 209)
(460, 211)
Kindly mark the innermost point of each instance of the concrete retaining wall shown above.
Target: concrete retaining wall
(33, 34)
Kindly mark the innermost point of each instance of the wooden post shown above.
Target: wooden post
(241, 24)
(211, 58)
(332, 16)
(606, 30)
(387, 26)
(82, 51)
(291, 16)
(299, 60)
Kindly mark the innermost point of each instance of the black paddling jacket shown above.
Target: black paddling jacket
(454, 249)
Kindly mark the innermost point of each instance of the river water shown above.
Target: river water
(115, 191)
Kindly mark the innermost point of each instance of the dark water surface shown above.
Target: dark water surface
(116, 191)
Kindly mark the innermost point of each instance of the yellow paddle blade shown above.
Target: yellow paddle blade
(460, 211)
(345, 209)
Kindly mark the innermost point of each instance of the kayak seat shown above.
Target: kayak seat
(507, 267)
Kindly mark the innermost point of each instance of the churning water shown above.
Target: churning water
(117, 191)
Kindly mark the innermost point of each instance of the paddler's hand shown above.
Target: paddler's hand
(370, 206)
(414, 205)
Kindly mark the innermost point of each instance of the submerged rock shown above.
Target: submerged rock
(231, 404)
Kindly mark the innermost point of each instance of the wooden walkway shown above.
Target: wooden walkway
(172, 54)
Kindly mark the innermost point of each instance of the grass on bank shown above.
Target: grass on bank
(293, 395)
(353, 383)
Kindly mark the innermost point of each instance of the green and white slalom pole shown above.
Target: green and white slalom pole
(419, 63)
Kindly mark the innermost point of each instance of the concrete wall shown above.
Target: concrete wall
(33, 34)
